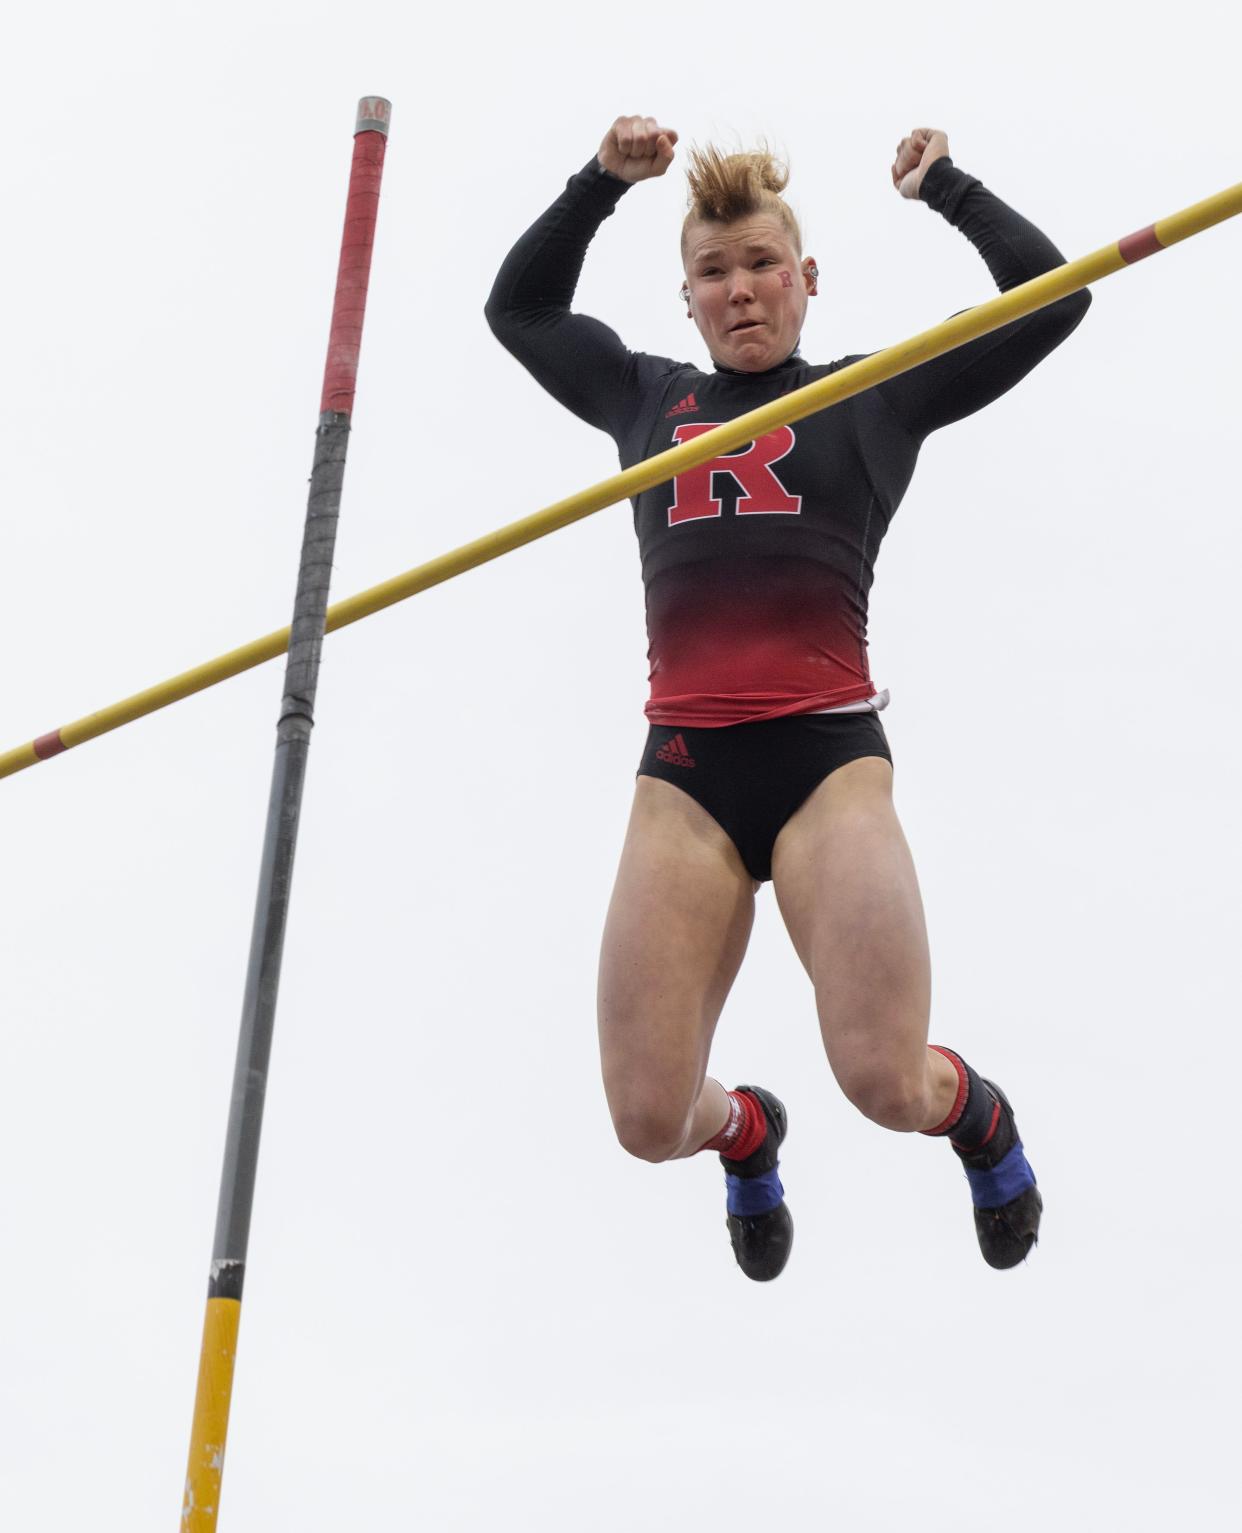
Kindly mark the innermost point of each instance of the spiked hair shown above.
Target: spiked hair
(728, 186)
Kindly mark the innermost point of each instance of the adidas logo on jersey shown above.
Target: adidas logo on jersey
(685, 406)
(674, 752)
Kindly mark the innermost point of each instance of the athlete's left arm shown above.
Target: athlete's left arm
(964, 380)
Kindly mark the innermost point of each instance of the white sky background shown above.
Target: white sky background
(466, 1308)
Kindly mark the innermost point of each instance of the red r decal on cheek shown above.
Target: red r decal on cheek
(786, 279)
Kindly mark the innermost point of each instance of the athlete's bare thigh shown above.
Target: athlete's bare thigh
(847, 890)
(677, 930)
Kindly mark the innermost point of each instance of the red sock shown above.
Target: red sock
(975, 1113)
(744, 1132)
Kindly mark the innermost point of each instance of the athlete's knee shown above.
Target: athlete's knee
(650, 1128)
(888, 1092)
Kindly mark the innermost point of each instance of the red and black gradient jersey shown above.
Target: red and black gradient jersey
(757, 566)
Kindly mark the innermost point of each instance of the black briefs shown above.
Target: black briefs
(752, 777)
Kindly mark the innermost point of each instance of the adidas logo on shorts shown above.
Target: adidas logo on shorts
(674, 751)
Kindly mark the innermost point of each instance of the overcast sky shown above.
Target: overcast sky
(466, 1308)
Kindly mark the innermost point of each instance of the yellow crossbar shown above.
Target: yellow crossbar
(852, 380)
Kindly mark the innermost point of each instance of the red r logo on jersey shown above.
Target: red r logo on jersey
(760, 492)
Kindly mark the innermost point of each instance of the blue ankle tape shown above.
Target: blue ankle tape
(1002, 1183)
(749, 1195)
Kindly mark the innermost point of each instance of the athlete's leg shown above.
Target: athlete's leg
(847, 890)
(677, 929)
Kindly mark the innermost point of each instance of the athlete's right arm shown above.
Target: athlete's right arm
(580, 361)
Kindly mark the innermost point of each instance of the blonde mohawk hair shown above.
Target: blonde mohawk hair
(724, 187)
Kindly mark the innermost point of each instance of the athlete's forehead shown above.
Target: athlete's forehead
(762, 231)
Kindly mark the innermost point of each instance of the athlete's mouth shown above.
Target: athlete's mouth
(746, 324)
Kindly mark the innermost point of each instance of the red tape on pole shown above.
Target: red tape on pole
(1139, 245)
(340, 373)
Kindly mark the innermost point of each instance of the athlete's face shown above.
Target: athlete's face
(747, 290)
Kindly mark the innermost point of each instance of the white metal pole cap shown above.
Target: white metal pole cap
(373, 115)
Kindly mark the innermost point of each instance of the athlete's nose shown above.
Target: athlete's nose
(741, 288)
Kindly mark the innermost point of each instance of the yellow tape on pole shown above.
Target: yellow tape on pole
(874, 369)
(205, 1470)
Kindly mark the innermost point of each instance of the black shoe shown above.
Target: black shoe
(761, 1241)
(1006, 1231)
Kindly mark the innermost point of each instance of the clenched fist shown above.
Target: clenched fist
(635, 148)
(915, 156)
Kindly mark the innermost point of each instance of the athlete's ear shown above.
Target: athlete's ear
(685, 296)
(811, 272)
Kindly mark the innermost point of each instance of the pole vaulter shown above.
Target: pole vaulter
(877, 368)
(201, 1504)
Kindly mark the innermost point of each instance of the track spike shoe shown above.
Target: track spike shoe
(1007, 1202)
(759, 1223)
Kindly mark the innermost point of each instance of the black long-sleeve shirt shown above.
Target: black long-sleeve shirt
(758, 565)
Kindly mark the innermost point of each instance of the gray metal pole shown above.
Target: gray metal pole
(293, 731)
